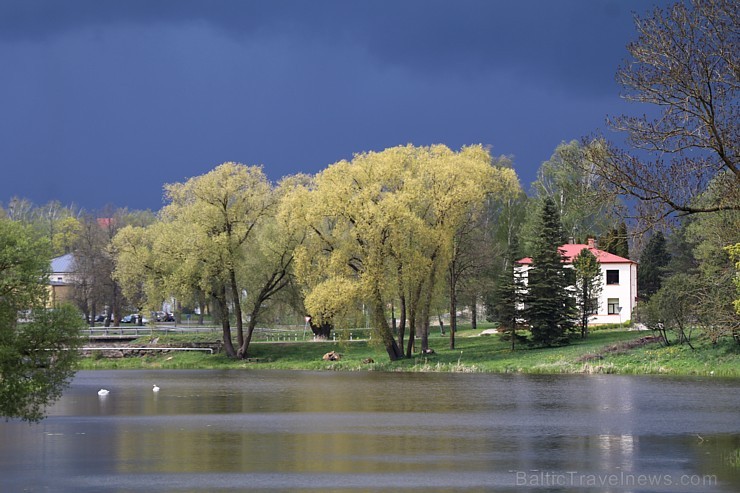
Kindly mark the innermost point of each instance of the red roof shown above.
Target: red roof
(106, 222)
(570, 251)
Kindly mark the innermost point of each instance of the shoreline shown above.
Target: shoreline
(612, 351)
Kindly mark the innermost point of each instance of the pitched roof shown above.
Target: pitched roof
(65, 263)
(570, 251)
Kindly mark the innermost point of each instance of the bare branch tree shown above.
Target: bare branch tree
(685, 63)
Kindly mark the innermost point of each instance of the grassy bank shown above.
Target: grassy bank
(607, 351)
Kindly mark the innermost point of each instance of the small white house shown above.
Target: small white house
(619, 292)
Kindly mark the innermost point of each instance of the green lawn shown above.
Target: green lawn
(605, 351)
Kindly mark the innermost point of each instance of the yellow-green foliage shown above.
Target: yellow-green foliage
(734, 251)
(331, 299)
(384, 223)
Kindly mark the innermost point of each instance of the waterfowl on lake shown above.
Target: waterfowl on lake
(103, 392)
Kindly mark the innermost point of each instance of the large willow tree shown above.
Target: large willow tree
(202, 242)
(381, 228)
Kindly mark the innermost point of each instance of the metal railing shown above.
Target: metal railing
(261, 334)
(141, 330)
(163, 348)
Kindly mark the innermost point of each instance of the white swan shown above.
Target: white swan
(155, 388)
(103, 392)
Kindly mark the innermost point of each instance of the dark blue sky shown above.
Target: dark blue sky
(104, 102)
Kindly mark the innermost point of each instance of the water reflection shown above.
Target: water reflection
(616, 451)
(290, 431)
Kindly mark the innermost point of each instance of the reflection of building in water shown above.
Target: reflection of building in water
(617, 452)
(614, 402)
(581, 424)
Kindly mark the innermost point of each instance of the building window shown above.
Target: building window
(612, 277)
(612, 306)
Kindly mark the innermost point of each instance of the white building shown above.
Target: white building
(619, 292)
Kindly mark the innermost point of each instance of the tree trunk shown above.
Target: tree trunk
(115, 306)
(452, 285)
(453, 312)
(474, 313)
(413, 316)
(323, 331)
(226, 330)
(243, 351)
(584, 314)
(402, 322)
(216, 310)
(383, 329)
(237, 308)
(225, 326)
(394, 352)
(426, 310)
(412, 333)
(201, 306)
(424, 328)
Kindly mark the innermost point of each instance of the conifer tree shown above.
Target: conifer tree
(509, 295)
(550, 308)
(654, 260)
(588, 286)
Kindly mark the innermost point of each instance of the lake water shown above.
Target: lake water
(227, 431)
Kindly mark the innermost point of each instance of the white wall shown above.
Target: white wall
(625, 291)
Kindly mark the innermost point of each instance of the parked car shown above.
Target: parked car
(163, 317)
(134, 318)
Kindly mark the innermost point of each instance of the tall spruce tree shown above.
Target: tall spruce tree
(654, 260)
(588, 286)
(509, 295)
(550, 308)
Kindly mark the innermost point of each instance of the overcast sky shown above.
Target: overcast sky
(102, 102)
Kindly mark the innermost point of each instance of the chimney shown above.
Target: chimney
(591, 243)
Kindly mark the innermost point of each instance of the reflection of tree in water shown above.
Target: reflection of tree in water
(716, 454)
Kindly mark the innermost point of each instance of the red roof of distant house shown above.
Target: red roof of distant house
(570, 251)
(106, 222)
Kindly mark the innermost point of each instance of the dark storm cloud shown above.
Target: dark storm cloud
(562, 41)
(105, 101)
